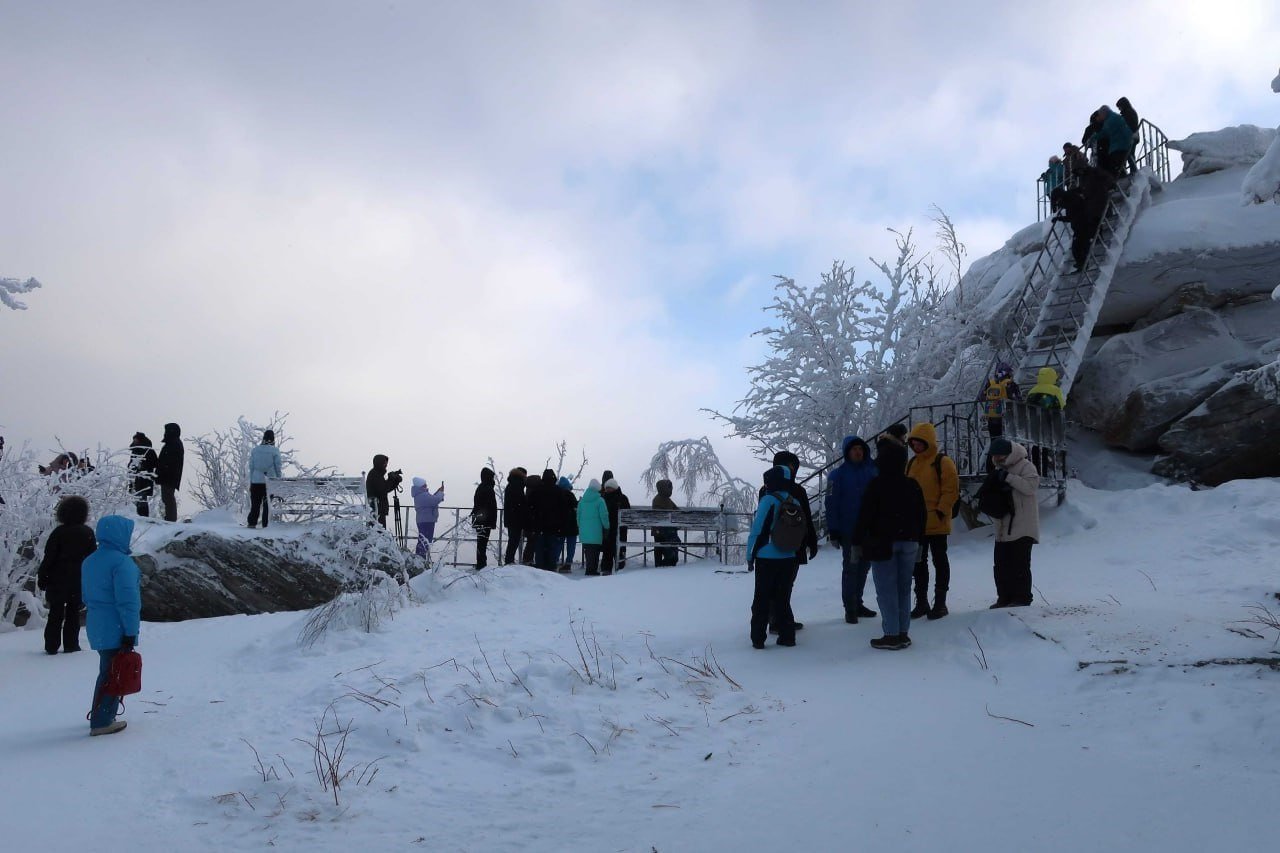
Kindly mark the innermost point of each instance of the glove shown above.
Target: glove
(127, 643)
(751, 565)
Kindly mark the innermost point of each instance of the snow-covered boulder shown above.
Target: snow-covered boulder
(1262, 184)
(1211, 151)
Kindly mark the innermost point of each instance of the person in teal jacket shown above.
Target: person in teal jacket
(775, 568)
(1054, 176)
(1114, 140)
(111, 589)
(593, 521)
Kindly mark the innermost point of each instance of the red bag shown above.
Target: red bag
(125, 676)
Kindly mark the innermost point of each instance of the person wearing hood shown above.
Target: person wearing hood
(142, 465)
(484, 515)
(846, 486)
(999, 388)
(1131, 120)
(1018, 531)
(566, 525)
(797, 491)
(890, 525)
(939, 482)
(774, 565)
(546, 508)
(1083, 207)
(616, 501)
(264, 462)
(426, 511)
(1114, 140)
(513, 512)
(1046, 395)
(379, 484)
(593, 524)
(1054, 176)
(532, 524)
(169, 469)
(663, 537)
(59, 575)
(110, 587)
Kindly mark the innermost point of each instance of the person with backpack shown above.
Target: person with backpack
(169, 469)
(484, 515)
(1009, 496)
(810, 548)
(514, 512)
(264, 462)
(59, 575)
(142, 465)
(593, 522)
(110, 586)
(1047, 401)
(939, 482)
(777, 534)
(847, 484)
(890, 526)
(999, 389)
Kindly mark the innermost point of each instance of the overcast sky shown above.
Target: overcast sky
(448, 231)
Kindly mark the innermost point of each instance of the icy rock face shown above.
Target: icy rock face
(209, 574)
(1211, 151)
(1234, 434)
(1262, 184)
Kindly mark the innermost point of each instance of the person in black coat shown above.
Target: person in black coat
(810, 547)
(1130, 116)
(566, 525)
(59, 574)
(545, 508)
(378, 485)
(614, 501)
(1083, 207)
(142, 464)
(169, 469)
(890, 528)
(514, 512)
(484, 515)
(532, 524)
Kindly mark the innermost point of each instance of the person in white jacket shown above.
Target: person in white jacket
(1018, 531)
(264, 462)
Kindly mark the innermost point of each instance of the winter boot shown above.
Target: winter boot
(904, 641)
(921, 610)
(865, 612)
(939, 606)
(109, 729)
(851, 616)
(889, 642)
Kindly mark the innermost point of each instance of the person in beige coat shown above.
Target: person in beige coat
(1018, 531)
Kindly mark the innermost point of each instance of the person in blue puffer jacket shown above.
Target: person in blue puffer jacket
(775, 568)
(112, 592)
(264, 462)
(848, 482)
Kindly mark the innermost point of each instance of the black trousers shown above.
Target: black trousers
(64, 621)
(169, 497)
(666, 556)
(774, 579)
(532, 542)
(936, 545)
(1013, 570)
(995, 427)
(513, 545)
(143, 504)
(774, 622)
(482, 546)
(1082, 234)
(591, 558)
(258, 502)
(610, 553)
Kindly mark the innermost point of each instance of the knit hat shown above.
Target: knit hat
(269, 436)
(611, 484)
(418, 482)
(1001, 447)
(594, 484)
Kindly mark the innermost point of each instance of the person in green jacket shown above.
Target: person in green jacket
(593, 521)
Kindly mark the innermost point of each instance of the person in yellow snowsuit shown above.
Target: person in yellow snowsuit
(1046, 393)
(999, 388)
(938, 479)
(1046, 426)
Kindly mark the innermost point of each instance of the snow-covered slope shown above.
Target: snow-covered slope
(1112, 715)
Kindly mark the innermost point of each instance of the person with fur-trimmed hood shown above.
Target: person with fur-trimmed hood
(1018, 531)
(939, 482)
(484, 515)
(142, 465)
(169, 469)
(848, 482)
(59, 574)
(514, 512)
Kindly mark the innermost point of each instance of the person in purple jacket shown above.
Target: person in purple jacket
(426, 509)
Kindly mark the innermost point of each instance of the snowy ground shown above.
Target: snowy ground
(1129, 743)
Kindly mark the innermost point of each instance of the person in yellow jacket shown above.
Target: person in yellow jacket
(1046, 393)
(937, 477)
(1046, 427)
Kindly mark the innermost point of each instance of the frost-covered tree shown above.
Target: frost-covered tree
(694, 464)
(11, 287)
(222, 481)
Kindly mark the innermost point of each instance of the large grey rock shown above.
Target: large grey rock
(1234, 434)
(204, 572)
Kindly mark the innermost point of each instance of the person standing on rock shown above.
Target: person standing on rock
(59, 575)
(142, 465)
(890, 526)
(593, 524)
(484, 515)
(378, 485)
(264, 462)
(513, 512)
(939, 482)
(111, 588)
(1019, 529)
(848, 483)
(426, 511)
(169, 469)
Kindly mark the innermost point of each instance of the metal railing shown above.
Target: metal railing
(1150, 151)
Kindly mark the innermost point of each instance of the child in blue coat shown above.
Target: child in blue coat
(112, 592)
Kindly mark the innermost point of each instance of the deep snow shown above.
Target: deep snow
(830, 745)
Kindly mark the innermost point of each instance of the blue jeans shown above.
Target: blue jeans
(853, 576)
(569, 550)
(104, 707)
(548, 551)
(893, 587)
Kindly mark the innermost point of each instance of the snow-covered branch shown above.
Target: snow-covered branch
(223, 478)
(11, 287)
(694, 463)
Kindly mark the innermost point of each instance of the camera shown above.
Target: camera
(399, 472)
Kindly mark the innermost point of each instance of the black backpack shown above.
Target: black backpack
(995, 497)
(786, 524)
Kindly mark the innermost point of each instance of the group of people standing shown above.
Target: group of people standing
(889, 514)
(545, 522)
(150, 469)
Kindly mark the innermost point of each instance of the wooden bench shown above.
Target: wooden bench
(714, 523)
(312, 498)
